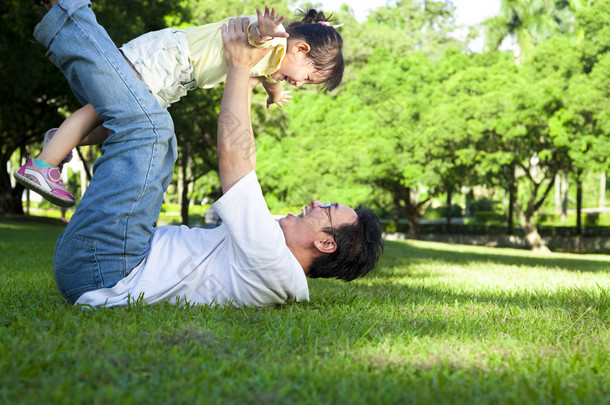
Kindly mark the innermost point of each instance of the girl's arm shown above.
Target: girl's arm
(277, 95)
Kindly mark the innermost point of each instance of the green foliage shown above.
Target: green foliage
(432, 124)
(34, 93)
(594, 24)
(417, 116)
(407, 26)
(529, 22)
(483, 204)
(31, 91)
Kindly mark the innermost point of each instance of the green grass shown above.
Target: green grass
(434, 323)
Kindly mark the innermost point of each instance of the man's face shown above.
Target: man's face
(309, 225)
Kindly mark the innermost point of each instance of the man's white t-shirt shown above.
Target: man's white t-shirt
(243, 262)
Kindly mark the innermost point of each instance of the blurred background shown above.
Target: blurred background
(453, 117)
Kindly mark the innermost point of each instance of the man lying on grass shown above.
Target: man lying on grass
(110, 253)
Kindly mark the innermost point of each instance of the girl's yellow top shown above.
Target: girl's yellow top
(210, 68)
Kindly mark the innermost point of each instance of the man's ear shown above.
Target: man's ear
(325, 245)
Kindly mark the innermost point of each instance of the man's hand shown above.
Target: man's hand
(268, 25)
(237, 51)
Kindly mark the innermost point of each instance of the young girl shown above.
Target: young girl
(171, 62)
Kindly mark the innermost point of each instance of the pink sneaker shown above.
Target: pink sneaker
(46, 181)
(47, 137)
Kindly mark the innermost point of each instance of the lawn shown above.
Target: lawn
(434, 323)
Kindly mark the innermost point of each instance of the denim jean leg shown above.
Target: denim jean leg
(110, 231)
(48, 28)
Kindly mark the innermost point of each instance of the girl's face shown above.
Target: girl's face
(297, 68)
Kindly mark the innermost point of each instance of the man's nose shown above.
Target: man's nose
(316, 203)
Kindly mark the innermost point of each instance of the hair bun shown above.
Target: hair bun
(313, 16)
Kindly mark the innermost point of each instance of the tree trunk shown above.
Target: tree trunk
(405, 195)
(180, 186)
(409, 197)
(10, 198)
(602, 190)
(414, 228)
(512, 194)
(531, 233)
(85, 164)
(83, 180)
(449, 195)
(564, 197)
(184, 207)
(24, 156)
(183, 189)
(467, 212)
(558, 193)
(578, 205)
(403, 198)
(396, 211)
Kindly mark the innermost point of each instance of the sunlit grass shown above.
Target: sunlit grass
(434, 323)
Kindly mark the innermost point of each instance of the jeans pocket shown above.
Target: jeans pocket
(76, 267)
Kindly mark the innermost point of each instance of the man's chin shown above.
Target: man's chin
(288, 218)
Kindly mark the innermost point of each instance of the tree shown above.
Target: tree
(528, 22)
(373, 137)
(35, 95)
(31, 93)
(361, 135)
(402, 28)
(583, 123)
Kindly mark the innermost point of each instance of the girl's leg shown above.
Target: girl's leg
(95, 137)
(42, 175)
(70, 134)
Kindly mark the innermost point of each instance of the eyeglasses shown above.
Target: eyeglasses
(327, 206)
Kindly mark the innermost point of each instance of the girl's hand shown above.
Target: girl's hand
(268, 25)
(237, 50)
(280, 99)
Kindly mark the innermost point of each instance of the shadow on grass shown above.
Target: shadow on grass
(383, 300)
(14, 230)
(401, 251)
(385, 309)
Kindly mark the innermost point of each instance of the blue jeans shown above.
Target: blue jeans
(110, 232)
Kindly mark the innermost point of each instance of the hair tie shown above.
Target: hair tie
(326, 23)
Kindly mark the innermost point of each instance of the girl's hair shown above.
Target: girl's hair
(324, 42)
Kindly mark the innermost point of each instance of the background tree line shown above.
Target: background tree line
(418, 116)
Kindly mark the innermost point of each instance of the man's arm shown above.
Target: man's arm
(236, 150)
